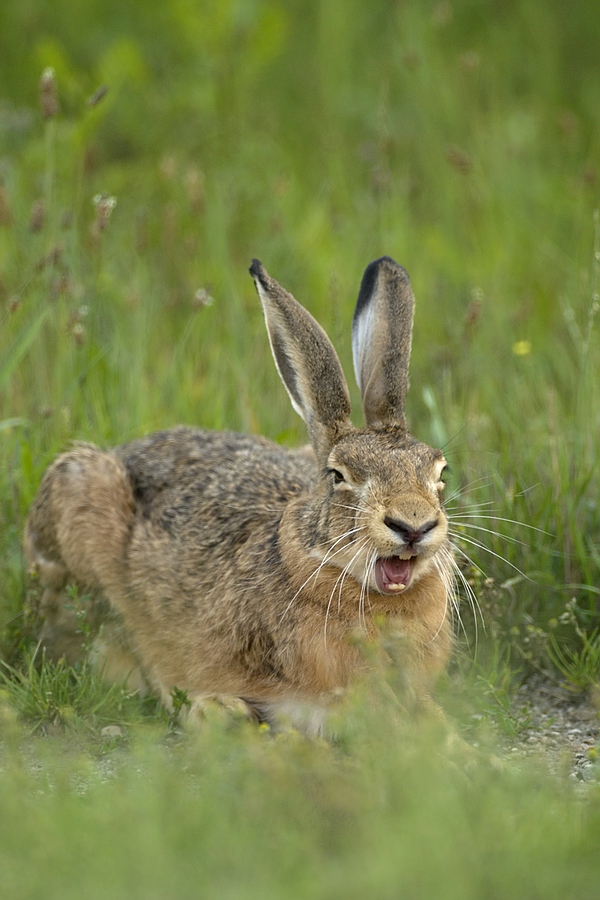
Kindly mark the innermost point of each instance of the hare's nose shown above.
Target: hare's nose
(408, 533)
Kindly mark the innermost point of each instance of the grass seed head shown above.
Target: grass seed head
(48, 94)
(459, 160)
(38, 216)
(202, 298)
(97, 96)
(104, 208)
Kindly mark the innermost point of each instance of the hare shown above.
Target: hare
(237, 570)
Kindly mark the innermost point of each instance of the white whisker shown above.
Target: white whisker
(328, 556)
(480, 546)
(470, 593)
(364, 589)
(498, 534)
(469, 488)
(466, 508)
(467, 515)
(446, 595)
(340, 580)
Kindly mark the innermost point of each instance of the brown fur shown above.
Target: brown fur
(214, 562)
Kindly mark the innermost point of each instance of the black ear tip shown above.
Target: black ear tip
(258, 272)
(384, 266)
(387, 264)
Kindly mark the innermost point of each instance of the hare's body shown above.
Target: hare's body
(224, 565)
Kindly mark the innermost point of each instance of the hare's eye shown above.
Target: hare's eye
(338, 478)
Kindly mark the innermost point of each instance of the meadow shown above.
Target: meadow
(147, 153)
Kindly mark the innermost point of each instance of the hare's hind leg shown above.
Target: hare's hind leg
(75, 540)
(79, 524)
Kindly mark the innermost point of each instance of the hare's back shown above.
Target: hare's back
(180, 474)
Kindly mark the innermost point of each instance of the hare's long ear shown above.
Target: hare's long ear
(381, 341)
(306, 361)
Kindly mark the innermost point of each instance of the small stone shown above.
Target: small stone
(112, 731)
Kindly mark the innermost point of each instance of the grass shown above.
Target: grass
(49, 695)
(462, 139)
(232, 811)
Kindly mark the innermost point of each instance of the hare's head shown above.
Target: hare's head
(377, 512)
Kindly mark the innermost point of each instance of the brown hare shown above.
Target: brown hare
(237, 570)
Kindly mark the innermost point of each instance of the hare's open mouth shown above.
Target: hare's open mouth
(393, 575)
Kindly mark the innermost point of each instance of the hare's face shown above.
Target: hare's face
(387, 525)
(377, 513)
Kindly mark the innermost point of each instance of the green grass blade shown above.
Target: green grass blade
(21, 347)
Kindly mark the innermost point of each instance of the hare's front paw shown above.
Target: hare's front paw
(206, 708)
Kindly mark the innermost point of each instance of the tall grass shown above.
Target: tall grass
(459, 141)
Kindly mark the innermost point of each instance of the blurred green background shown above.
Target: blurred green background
(461, 137)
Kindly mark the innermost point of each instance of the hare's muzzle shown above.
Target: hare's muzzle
(393, 574)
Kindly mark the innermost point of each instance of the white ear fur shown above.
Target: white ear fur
(283, 362)
(306, 361)
(362, 329)
(381, 341)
